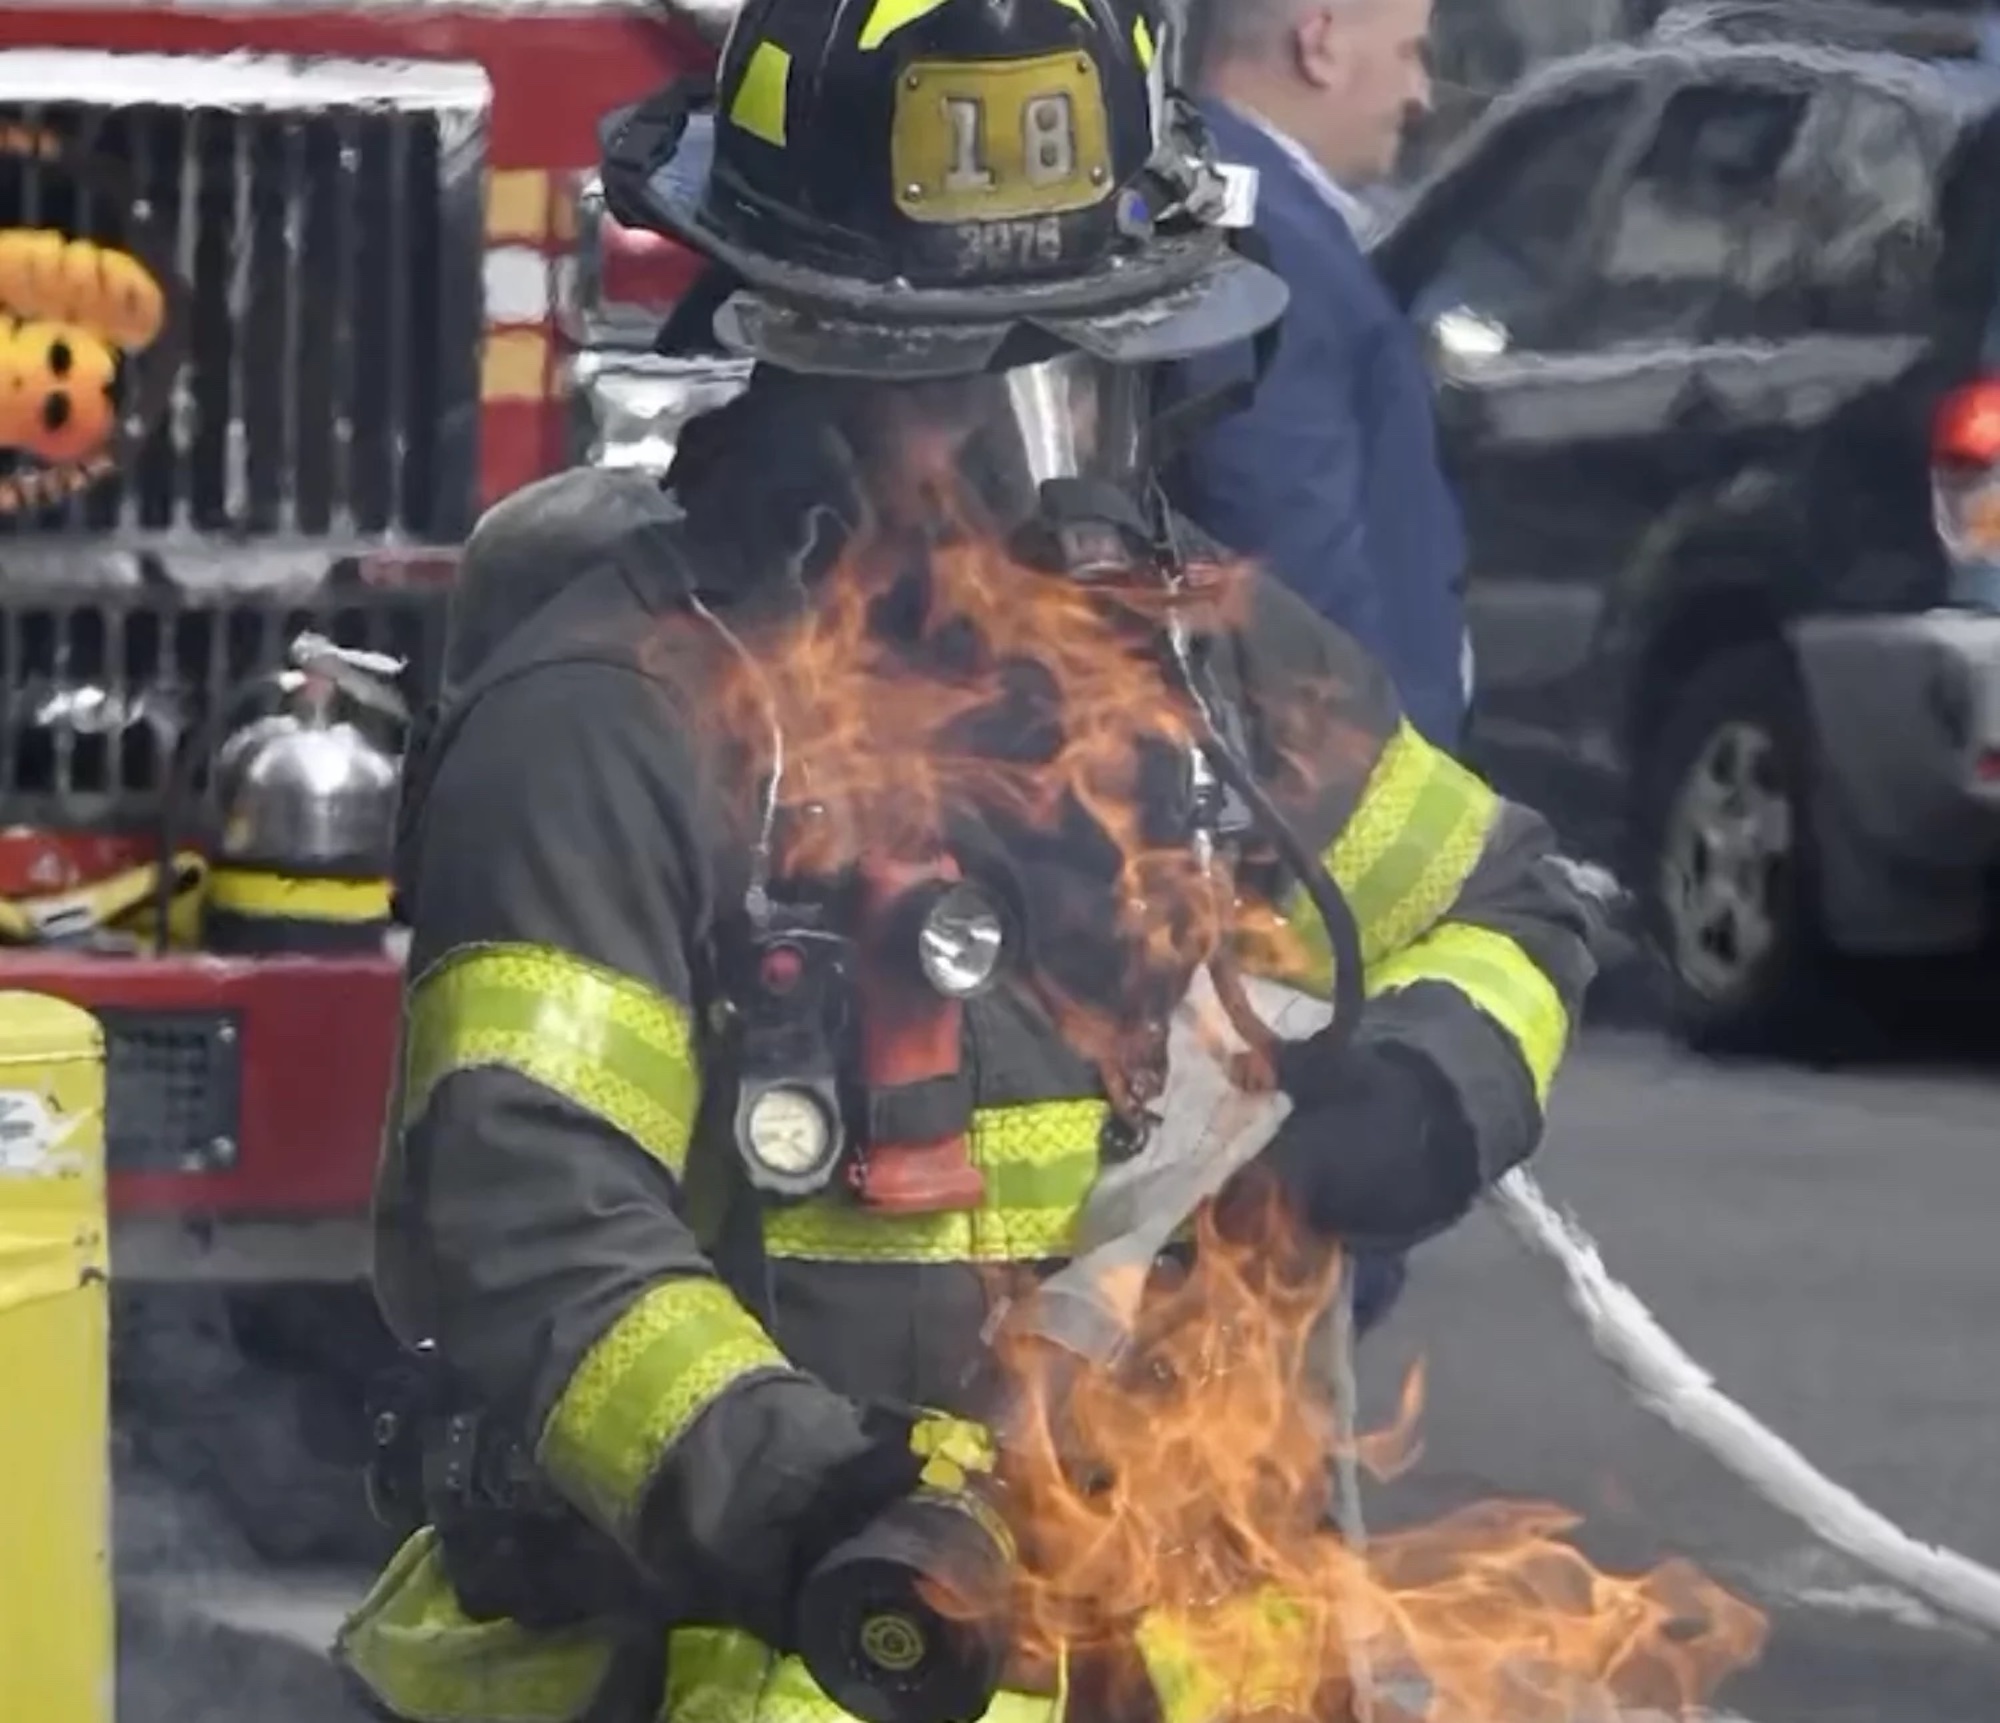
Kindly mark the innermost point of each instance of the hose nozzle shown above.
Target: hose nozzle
(907, 1621)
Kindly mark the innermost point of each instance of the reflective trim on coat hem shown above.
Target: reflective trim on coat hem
(422, 1659)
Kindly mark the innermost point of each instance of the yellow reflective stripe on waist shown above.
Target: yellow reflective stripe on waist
(1040, 1161)
(600, 1040)
(1402, 858)
(675, 1349)
(286, 897)
(1498, 977)
(1251, 1655)
(717, 1675)
(423, 1659)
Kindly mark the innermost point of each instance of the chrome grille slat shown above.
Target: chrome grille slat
(346, 193)
(242, 285)
(291, 194)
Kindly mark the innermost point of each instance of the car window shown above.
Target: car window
(1708, 238)
(1511, 224)
(1874, 229)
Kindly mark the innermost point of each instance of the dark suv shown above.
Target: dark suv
(1717, 326)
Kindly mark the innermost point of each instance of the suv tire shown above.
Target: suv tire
(1726, 864)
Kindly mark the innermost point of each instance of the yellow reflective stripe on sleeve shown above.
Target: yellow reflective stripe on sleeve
(600, 1040)
(652, 1373)
(422, 1658)
(1402, 858)
(1040, 1161)
(1498, 977)
(718, 1675)
(1142, 43)
(763, 98)
(1411, 842)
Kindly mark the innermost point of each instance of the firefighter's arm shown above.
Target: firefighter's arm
(550, 1086)
(1473, 940)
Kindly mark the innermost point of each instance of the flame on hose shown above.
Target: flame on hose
(1183, 1505)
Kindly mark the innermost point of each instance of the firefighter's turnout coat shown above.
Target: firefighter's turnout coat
(560, 867)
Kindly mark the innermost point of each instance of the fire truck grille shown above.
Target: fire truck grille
(327, 243)
(171, 1090)
(97, 695)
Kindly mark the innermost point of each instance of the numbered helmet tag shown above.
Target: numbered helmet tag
(1001, 140)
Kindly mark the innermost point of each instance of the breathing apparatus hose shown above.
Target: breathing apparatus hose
(1329, 902)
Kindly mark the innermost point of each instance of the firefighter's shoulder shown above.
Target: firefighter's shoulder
(1286, 652)
(580, 568)
(1319, 711)
(558, 664)
(531, 549)
(1292, 651)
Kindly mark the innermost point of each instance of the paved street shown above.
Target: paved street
(1822, 1241)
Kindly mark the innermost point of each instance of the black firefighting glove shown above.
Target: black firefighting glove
(1377, 1153)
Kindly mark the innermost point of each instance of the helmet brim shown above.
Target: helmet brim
(1231, 302)
(1190, 295)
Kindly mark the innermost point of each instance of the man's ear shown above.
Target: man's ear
(1318, 50)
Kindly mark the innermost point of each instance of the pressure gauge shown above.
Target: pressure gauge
(787, 1141)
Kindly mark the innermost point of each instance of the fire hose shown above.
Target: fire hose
(1664, 1380)
(1656, 1370)
(88, 913)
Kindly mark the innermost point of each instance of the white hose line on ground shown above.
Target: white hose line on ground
(1667, 1382)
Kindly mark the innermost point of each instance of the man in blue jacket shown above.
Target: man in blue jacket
(1330, 477)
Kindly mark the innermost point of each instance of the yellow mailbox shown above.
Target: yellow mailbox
(56, 1647)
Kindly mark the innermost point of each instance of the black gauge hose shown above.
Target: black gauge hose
(1343, 933)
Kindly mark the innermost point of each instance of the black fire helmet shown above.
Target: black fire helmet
(904, 189)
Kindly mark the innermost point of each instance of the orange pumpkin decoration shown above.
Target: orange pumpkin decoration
(56, 391)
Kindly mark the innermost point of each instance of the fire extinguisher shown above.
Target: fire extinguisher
(302, 803)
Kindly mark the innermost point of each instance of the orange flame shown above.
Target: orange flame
(930, 692)
(1184, 1503)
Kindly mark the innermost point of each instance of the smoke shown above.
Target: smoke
(239, 1525)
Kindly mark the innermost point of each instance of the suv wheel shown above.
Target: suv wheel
(1726, 854)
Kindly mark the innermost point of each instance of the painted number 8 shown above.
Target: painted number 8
(1048, 142)
(1049, 136)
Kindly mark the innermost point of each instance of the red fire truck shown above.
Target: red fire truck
(289, 291)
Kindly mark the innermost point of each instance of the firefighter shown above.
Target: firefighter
(694, 1288)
